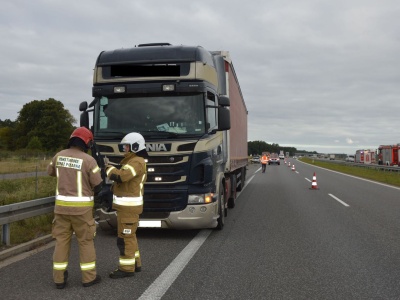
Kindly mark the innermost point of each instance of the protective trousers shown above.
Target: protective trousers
(128, 219)
(263, 166)
(84, 227)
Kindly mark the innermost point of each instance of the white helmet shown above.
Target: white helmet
(134, 140)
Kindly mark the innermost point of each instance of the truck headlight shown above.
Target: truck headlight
(200, 198)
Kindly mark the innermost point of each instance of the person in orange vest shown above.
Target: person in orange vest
(78, 183)
(264, 161)
(128, 188)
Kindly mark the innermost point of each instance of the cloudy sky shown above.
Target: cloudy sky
(318, 75)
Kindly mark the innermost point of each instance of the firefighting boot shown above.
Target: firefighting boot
(121, 274)
(94, 281)
(63, 284)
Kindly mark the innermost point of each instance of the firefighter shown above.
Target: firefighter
(264, 161)
(128, 202)
(78, 181)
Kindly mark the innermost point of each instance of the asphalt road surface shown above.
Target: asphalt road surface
(283, 240)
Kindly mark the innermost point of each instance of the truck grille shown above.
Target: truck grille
(158, 202)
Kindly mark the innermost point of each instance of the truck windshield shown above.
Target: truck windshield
(159, 115)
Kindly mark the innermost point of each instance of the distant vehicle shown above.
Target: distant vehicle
(365, 156)
(350, 158)
(331, 156)
(274, 159)
(388, 155)
(281, 155)
(255, 160)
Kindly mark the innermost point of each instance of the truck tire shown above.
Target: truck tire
(221, 208)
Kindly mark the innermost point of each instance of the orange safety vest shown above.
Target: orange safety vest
(264, 159)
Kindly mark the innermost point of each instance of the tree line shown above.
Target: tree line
(43, 125)
(258, 147)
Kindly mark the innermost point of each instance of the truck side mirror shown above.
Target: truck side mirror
(224, 101)
(83, 106)
(224, 119)
(84, 121)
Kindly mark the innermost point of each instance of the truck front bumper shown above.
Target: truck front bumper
(192, 217)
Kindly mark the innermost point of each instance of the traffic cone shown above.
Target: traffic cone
(289, 164)
(285, 161)
(314, 185)
(293, 168)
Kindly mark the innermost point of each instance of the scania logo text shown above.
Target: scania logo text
(158, 147)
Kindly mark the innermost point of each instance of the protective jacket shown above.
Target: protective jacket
(264, 159)
(129, 180)
(77, 175)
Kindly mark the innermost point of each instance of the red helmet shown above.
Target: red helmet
(84, 134)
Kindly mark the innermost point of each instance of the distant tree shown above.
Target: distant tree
(46, 119)
(257, 147)
(7, 123)
(6, 138)
(34, 144)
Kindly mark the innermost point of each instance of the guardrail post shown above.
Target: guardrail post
(5, 237)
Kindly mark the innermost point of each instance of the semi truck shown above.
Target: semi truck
(187, 103)
(388, 155)
(365, 156)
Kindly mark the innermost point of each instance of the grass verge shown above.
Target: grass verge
(19, 190)
(387, 177)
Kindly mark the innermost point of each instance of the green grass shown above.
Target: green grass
(19, 190)
(387, 177)
(23, 166)
(29, 229)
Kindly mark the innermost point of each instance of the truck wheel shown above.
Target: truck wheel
(221, 208)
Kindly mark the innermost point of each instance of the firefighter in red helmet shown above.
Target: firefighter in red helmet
(127, 188)
(78, 181)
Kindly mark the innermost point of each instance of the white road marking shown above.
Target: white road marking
(337, 199)
(307, 179)
(162, 283)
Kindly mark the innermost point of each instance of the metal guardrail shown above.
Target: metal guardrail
(23, 210)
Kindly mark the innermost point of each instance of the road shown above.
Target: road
(283, 240)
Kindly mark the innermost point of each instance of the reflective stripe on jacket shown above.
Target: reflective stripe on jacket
(77, 174)
(128, 201)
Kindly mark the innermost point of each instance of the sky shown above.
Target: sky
(318, 75)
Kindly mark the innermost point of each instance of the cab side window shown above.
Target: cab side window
(211, 112)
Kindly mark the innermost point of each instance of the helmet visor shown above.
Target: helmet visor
(121, 147)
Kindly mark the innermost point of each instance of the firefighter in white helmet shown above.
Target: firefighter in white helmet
(78, 182)
(128, 189)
